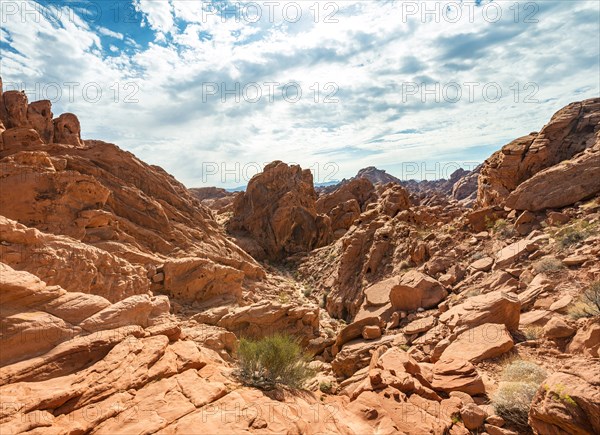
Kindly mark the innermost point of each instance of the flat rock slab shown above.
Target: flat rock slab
(480, 343)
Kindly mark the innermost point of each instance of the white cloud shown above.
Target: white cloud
(107, 32)
(367, 54)
(158, 14)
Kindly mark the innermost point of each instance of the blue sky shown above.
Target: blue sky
(211, 90)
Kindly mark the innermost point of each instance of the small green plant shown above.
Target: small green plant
(503, 229)
(560, 394)
(570, 236)
(329, 332)
(273, 360)
(588, 303)
(283, 297)
(548, 265)
(477, 256)
(307, 291)
(519, 382)
(326, 387)
(575, 233)
(533, 332)
(404, 347)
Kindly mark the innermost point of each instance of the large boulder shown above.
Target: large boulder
(570, 131)
(200, 280)
(15, 107)
(560, 185)
(39, 114)
(456, 374)
(587, 339)
(415, 290)
(67, 130)
(493, 307)
(483, 342)
(511, 253)
(278, 211)
(359, 189)
(264, 318)
(568, 403)
(20, 138)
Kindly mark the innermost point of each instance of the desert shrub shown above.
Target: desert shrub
(570, 236)
(277, 359)
(548, 265)
(307, 291)
(519, 383)
(478, 255)
(502, 228)
(283, 297)
(325, 387)
(575, 233)
(588, 303)
(533, 332)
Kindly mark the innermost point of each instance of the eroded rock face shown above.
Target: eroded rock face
(465, 188)
(480, 343)
(455, 374)
(493, 307)
(278, 212)
(568, 402)
(344, 205)
(15, 108)
(416, 290)
(39, 114)
(560, 185)
(54, 259)
(67, 130)
(570, 131)
(37, 317)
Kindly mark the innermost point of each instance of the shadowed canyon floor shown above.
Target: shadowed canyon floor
(123, 293)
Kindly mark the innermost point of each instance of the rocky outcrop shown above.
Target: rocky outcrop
(560, 185)
(568, 402)
(450, 374)
(495, 307)
(54, 258)
(376, 176)
(465, 188)
(35, 317)
(570, 131)
(480, 343)
(112, 206)
(39, 114)
(278, 212)
(261, 319)
(14, 106)
(415, 290)
(344, 205)
(67, 130)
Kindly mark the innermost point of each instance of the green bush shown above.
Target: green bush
(575, 233)
(533, 332)
(519, 382)
(588, 303)
(326, 387)
(273, 360)
(548, 265)
(503, 228)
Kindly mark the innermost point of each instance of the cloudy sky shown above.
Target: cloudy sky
(210, 91)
